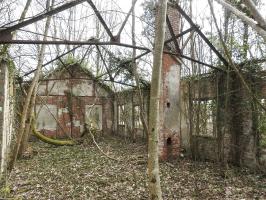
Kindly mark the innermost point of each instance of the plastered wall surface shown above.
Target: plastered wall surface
(64, 102)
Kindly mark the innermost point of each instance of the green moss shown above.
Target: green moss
(262, 129)
(5, 191)
(10, 64)
(71, 60)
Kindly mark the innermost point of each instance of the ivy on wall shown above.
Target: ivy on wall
(262, 126)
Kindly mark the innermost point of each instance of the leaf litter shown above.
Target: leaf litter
(82, 172)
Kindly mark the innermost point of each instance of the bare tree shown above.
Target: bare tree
(153, 161)
(34, 83)
(136, 76)
(4, 51)
(255, 13)
(252, 23)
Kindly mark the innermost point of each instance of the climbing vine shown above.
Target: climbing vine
(262, 126)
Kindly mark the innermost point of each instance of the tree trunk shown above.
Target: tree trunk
(245, 46)
(29, 95)
(4, 51)
(253, 24)
(153, 161)
(47, 139)
(227, 15)
(255, 13)
(25, 137)
(136, 75)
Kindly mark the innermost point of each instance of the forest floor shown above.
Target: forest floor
(82, 172)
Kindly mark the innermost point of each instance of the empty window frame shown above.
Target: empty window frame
(204, 117)
(121, 115)
(137, 119)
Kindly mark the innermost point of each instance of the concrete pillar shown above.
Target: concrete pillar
(6, 114)
(2, 93)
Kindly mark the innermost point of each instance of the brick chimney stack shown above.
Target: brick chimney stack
(169, 137)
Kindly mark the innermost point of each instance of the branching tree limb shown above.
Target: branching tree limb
(255, 13)
(232, 64)
(252, 23)
(34, 82)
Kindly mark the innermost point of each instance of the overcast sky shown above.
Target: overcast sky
(84, 23)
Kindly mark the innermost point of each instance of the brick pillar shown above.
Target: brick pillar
(169, 137)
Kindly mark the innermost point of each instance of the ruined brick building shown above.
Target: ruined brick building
(224, 124)
(169, 134)
(70, 97)
(67, 95)
(193, 114)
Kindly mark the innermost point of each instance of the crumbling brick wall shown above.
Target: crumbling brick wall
(66, 97)
(238, 122)
(130, 125)
(169, 135)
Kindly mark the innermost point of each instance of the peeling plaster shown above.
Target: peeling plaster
(76, 123)
(62, 110)
(171, 107)
(83, 88)
(45, 119)
(57, 87)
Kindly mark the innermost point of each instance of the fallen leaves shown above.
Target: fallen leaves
(82, 172)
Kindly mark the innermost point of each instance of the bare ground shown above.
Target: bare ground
(82, 172)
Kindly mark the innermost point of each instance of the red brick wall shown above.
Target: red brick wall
(169, 136)
(169, 145)
(68, 97)
(78, 107)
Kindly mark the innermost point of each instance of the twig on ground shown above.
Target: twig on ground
(99, 148)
